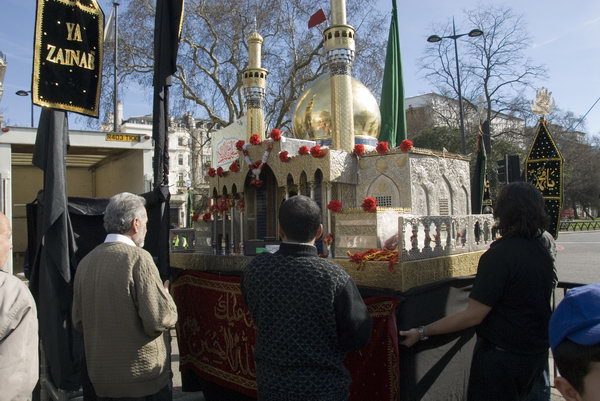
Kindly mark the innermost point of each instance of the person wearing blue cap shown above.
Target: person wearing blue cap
(575, 341)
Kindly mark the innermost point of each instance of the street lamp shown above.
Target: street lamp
(435, 38)
(26, 93)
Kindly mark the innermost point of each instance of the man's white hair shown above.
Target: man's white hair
(122, 209)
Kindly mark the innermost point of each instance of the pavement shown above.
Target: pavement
(177, 393)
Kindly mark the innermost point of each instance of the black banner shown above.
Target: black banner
(544, 169)
(67, 62)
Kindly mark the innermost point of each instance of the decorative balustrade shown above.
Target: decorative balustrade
(423, 237)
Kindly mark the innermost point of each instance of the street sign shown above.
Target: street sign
(122, 137)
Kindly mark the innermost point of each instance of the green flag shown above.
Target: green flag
(393, 119)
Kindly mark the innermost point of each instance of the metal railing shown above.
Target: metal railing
(579, 225)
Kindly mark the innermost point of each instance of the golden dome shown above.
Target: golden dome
(312, 117)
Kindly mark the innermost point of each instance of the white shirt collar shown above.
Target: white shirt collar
(299, 243)
(119, 238)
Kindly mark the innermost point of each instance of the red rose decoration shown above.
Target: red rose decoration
(241, 205)
(328, 239)
(220, 172)
(406, 145)
(303, 150)
(206, 216)
(222, 204)
(257, 164)
(239, 145)
(195, 217)
(255, 139)
(257, 183)
(359, 149)
(335, 206)
(316, 151)
(234, 167)
(276, 135)
(369, 204)
(382, 148)
(212, 172)
(283, 156)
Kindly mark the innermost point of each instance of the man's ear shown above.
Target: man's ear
(319, 232)
(135, 225)
(566, 389)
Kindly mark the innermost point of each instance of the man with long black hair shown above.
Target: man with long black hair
(510, 301)
(307, 310)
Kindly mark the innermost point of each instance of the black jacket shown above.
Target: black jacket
(308, 313)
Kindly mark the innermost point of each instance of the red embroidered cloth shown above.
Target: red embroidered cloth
(216, 339)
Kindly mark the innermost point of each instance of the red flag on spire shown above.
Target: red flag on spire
(317, 18)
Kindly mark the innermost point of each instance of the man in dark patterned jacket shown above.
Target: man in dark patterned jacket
(308, 313)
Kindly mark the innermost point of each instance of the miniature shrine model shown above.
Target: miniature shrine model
(397, 219)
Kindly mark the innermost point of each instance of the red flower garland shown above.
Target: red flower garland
(276, 135)
(374, 255)
(359, 149)
(382, 148)
(254, 165)
(234, 167)
(220, 172)
(406, 145)
(335, 206)
(369, 204)
(257, 183)
(206, 216)
(303, 150)
(283, 156)
(212, 172)
(195, 217)
(255, 139)
(239, 145)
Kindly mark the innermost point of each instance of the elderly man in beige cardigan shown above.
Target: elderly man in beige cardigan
(123, 309)
(18, 329)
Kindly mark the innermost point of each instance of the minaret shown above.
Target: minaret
(255, 82)
(339, 44)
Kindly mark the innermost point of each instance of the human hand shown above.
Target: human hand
(411, 337)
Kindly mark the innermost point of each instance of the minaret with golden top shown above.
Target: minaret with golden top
(255, 81)
(339, 44)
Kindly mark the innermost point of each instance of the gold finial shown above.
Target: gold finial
(543, 103)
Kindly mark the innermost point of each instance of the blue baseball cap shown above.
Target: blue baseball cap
(577, 317)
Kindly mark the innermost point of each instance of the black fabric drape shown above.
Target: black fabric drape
(167, 31)
(54, 267)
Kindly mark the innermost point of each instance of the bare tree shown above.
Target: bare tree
(493, 65)
(213, 53)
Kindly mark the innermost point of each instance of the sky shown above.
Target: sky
(564, 40)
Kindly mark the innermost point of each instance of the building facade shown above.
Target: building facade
(189, 159)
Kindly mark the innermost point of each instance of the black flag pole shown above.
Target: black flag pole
(116, 68)
(167, 31)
